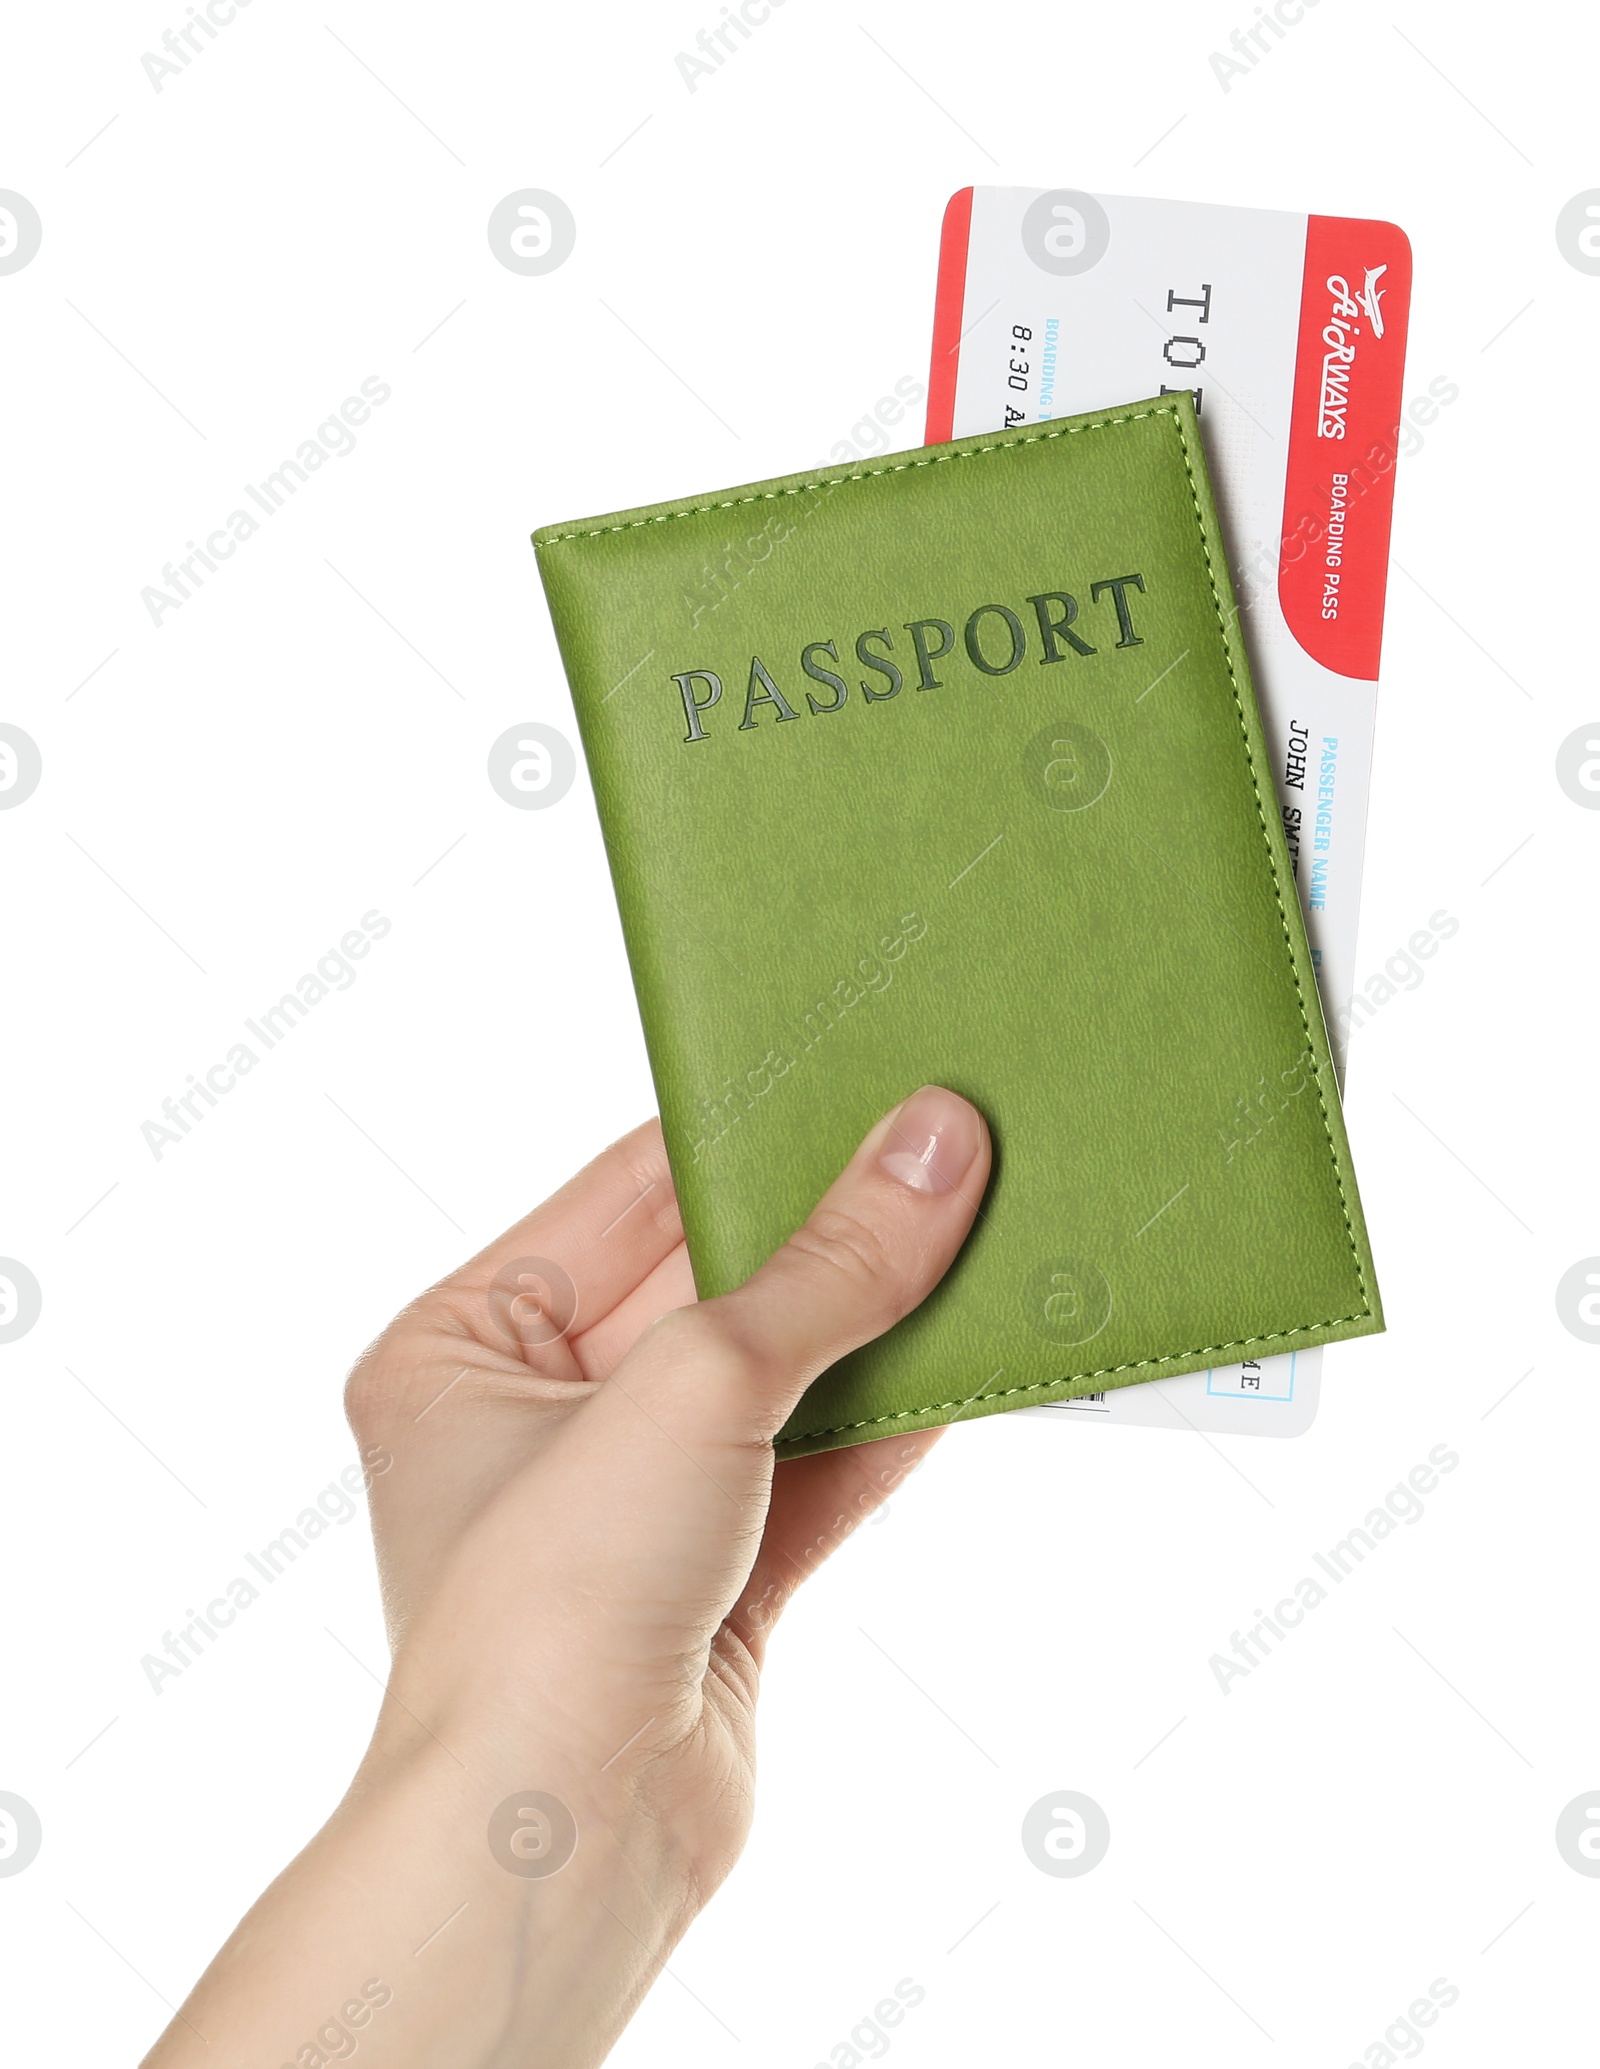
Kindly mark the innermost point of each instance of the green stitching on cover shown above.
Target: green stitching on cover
(1277, 888)
(1043, 1386)
(866, 474)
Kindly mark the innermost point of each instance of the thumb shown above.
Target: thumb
(877, 1242)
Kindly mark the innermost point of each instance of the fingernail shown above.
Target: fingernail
(932, 1141)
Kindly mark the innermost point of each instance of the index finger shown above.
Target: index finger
(605, 1230)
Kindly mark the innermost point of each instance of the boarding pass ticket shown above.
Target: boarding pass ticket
(1290, 332)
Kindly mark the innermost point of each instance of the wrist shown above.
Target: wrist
(541, 1899)
(475, 1933)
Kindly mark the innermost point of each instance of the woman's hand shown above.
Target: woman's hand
(583, 1546)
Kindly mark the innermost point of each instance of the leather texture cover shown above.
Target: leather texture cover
(949, 768)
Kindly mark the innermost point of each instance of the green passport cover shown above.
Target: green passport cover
(950, 769)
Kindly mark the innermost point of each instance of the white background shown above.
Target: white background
(226, 795)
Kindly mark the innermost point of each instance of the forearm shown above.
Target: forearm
(404, 1929)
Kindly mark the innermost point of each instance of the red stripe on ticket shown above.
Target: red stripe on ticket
(1343, 436)
(949, 301)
